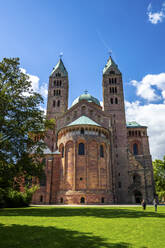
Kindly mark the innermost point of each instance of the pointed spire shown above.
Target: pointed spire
(60, 68)
(111, 66)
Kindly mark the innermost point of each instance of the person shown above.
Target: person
(144, 204)
(155, 204)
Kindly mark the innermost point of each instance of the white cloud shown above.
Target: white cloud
(156, 17)
(153, 116)
(146, 87)
(43, 89)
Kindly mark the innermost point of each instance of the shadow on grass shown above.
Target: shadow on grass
(23, 236)
(87, 212)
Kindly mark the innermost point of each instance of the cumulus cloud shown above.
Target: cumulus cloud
(35, 84)
(151, 114)
(146, 88)
(156, 17)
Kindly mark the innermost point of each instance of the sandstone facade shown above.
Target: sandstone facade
(93, 156)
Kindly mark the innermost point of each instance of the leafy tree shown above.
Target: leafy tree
(20, 116)
(159, 176)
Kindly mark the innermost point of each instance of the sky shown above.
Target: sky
(85, 31)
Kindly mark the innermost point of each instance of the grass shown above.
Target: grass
(88, 227)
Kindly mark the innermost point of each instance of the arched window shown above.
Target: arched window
(58, 103)
(62, 151)
(112, 80)
(101, 151)
(116, 100)
(111, 100)
(135, 149)
(112, 90)
(136, 179)
(83, 109)
(54, 103)
(81, 149)
(82, 131)
(115, 80)
(43, 179)
(82, 200)
(41, 198)
(55, 83)
(119, 185)
(109, 80)
(54, 92)
(115, 90)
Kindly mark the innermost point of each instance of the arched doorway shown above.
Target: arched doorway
(137, 196)
(82, 200)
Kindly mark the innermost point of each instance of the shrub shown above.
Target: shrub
(19, 199)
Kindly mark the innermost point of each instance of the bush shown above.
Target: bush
(16, 199)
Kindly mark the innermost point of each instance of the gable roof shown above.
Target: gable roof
(83, 120)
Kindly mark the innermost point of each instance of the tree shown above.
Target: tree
(159, 176)
(19, 116)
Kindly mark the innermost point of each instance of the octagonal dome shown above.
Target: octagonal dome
(86, 97)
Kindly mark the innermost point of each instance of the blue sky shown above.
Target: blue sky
(84, 31)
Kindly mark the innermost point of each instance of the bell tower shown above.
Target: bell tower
(57, 103)
(113, 104)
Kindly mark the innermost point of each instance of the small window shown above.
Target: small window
(41, 198)
(115, 90)
(43, 179)
(54, 103)
(83, 109)
(54, 92)
(82, 200)
(101, 151)
(58, 103)
(115, 80)
(119, 185)
(81, 178)
(55, 83)
(111, 100)
(112, 90)
(135, 149)
(102, 199)
(116, 100)
(81, 149)
(62, 151)
(82, 131)
(60, 83)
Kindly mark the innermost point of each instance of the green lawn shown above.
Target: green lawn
(70, 227)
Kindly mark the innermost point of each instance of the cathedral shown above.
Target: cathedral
(93, 156)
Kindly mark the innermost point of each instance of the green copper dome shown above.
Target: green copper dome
(86, 97)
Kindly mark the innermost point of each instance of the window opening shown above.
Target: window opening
(82, 200)
(116, 100)
(111, 100)
(54, 103)
(41, 198)
(101, 151)
(58, 103)
(62, 151)
(82, 131)
(135, 149)
(102, 199)
(81, 149)
(61, 200)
